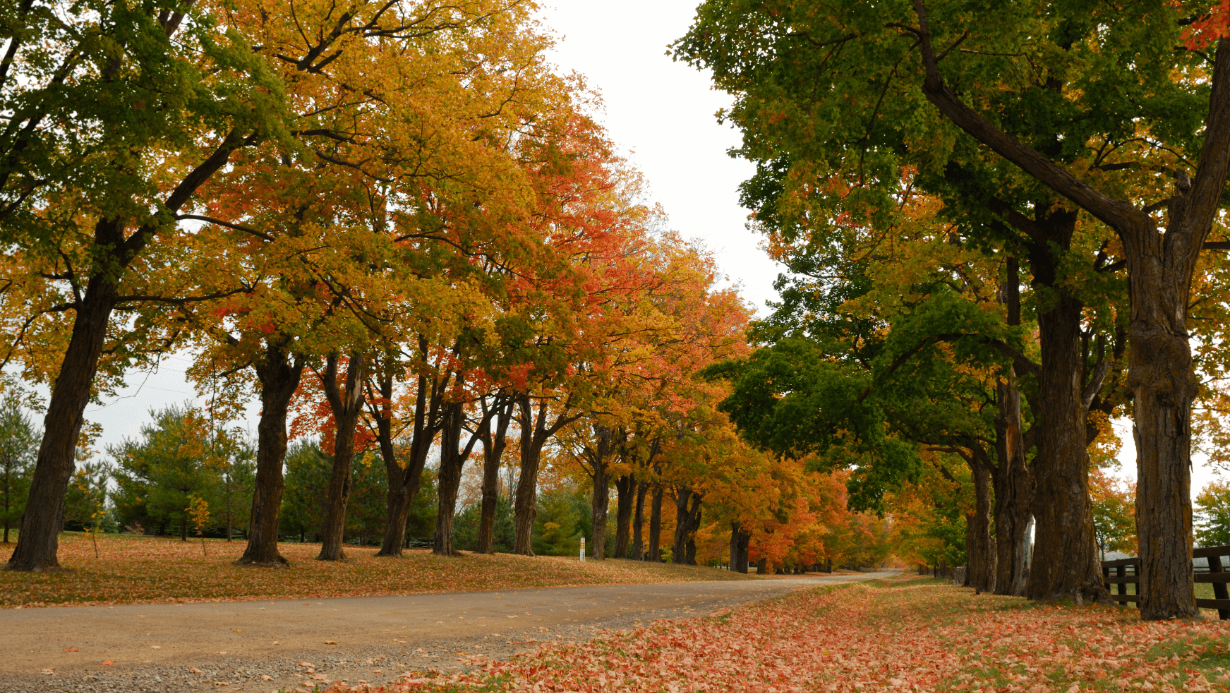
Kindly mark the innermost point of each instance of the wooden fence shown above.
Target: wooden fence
(1126, 571)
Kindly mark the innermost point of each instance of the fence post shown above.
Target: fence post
(1121, 571)
(1219, 588)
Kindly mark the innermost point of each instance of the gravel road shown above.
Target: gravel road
(267, 646)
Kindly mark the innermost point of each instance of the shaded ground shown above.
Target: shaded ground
(370, 639)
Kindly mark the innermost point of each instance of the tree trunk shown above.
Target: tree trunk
(404, 482)
(638, 523)
(1163, 388)
(1161, 267)
(599, 507)
(739, 541)
(448, 481)
(687, 521)
(1065, 562)
(37, 543)
(526, 506)
(346, 405)
(493, 453)
(452, 462)
(980, 547)
(655, 526)
(279, 378)
(625, 488)
(534, 435)
(1013, 494)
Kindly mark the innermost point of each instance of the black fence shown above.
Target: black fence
(1126, 571)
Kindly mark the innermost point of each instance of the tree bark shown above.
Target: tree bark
(655, 526)
(494, 443)
(1065, 561)
(404, 482)
(687, 521)
(597, 455)
(638, 523)
(279, 378)
(449, 479)
(526, 506)
(625, 487)
(1013, 494)
(739, 542)
(346, 404)
(535, 431)
(453, 458)
(980, 547)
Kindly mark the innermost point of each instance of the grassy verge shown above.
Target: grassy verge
(142, 570)
(898, 635)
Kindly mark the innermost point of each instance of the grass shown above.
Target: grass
(905, 634)
(148, 570)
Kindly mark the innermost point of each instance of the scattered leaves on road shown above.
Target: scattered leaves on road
(906, 637)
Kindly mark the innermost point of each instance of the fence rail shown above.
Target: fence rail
(1126, 571)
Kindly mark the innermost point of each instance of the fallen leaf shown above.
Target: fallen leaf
(47, 672)
(70, 649)
(330, 642)
(194, 670)
(107, 662)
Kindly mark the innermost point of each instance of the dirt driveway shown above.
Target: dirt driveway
(267, 646)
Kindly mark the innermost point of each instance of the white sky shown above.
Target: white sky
(661, 113)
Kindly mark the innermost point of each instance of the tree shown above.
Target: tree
(1114, 513)
(1084, 111)
(18, 446)
(307, 482)
(1213, 511)
(163, 470)
(193, 92)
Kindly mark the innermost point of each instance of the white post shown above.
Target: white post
(582, 549)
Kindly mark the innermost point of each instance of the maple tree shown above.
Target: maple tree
(1050, 124)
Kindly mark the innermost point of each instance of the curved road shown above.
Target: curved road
(261, 645)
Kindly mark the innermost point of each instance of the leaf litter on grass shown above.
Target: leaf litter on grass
(858, 639)
(152, 570)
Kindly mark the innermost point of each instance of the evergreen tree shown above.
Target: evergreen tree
(18, 447)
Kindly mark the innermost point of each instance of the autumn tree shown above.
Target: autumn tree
(1107, 149)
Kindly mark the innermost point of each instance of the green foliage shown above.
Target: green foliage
(177, 458)
(85, 502)
(1213, 515)
(465, 526)
(563, 518)
(421, 521)
(18, 447)
(308, 468)
(307, 487)
(367, 507)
